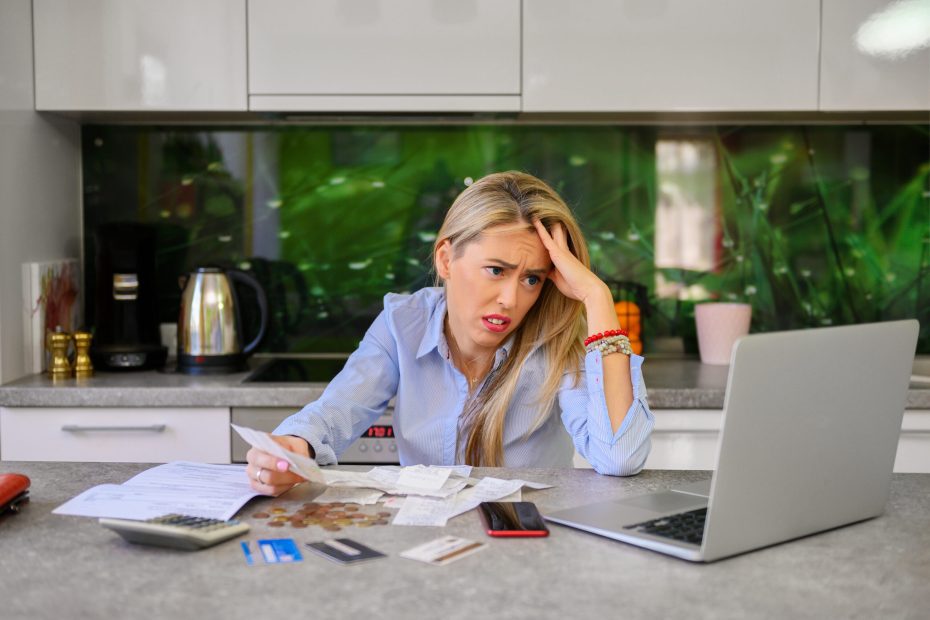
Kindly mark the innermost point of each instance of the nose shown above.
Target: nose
(507, 294)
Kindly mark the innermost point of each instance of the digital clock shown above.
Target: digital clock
(379, 431)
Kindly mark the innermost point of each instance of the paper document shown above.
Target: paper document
(422, 477)
(349, 495)
(424, 511)
(299, 464)
(197, 489)
(437, 511)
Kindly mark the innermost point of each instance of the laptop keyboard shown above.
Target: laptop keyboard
(685, 526)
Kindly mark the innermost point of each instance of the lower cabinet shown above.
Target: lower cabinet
(688, 438)
(115, 434)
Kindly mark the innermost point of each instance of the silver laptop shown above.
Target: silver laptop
(811, 421)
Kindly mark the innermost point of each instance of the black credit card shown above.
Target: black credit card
(344, 550)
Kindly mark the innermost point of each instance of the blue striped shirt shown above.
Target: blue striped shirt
(405, 356)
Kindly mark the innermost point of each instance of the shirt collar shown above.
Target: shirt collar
(435, 337)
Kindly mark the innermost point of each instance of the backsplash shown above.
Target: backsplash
(812, 224)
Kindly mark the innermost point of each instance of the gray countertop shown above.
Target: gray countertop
(58, 567)
(672, 383)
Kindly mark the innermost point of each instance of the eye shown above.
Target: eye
(495, 271)
(533, 280)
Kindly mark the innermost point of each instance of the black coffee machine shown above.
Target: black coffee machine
(126, 335)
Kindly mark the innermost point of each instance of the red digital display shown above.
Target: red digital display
(379, 431)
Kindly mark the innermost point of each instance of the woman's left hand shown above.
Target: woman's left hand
(569, 274)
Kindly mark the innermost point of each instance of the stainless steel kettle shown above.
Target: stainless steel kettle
(209, 324)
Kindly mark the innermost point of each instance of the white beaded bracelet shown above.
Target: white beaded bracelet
(611, 344)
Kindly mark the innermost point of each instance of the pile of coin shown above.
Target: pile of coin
(331, 517)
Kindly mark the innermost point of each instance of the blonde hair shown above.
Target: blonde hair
(555, 323)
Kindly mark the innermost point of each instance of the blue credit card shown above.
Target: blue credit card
(274, 551)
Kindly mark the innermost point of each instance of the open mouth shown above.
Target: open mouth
(495, 322)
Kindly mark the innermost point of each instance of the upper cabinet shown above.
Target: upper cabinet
(674, 55)
(374, 55)
(875, 56)
(140, 55)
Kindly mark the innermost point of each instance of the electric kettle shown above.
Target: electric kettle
(210, 325)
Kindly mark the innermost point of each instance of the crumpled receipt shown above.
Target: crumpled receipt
(297, 463)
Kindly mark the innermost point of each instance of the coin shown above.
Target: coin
(276, 523)
(279, 519)
(337, 504)
(278, 510)
(332, 528)
(384, 514)
(298, 524)
(260, 515)
(352, 508)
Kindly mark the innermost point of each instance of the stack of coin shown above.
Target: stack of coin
(331, 517)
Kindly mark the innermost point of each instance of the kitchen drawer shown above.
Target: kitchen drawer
(117, 434)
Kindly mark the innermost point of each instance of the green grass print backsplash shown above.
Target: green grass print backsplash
(813, 225)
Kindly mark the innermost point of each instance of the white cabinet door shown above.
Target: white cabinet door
(140, 55)
(689, 439)
(875, 55)
(405, 54)
(675, 55)
(115, 434)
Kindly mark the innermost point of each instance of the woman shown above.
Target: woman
(489, 368)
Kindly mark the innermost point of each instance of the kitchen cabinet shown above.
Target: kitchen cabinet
(688, 438)
(384, 55)
(137, 55)
(115, 434)
(872, 58)
(672, 56)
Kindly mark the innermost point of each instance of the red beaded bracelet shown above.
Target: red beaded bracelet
(606, 334)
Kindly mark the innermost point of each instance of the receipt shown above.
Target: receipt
(424, 511)
(423, 478)
(299, 464)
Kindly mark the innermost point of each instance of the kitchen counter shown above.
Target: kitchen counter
(55, 566)
(672, 383)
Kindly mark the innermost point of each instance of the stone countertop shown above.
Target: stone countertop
(55, 566)
(672, 383)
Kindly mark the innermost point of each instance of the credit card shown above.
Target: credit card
(344, 550)
(443, 550)
(272, 551)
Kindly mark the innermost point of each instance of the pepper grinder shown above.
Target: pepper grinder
(83, 367)
(58, 367)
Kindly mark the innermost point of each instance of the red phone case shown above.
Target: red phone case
(510, 533)
(13, 491)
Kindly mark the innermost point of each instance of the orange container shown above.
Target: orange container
(630, 317)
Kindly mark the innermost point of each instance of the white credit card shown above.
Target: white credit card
(443, 550)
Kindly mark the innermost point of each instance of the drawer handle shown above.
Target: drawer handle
(75, 428)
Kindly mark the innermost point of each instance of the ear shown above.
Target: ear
(443, 259)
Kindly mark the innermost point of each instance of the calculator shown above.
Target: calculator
(178, 531)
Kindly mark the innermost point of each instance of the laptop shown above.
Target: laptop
(811, 421)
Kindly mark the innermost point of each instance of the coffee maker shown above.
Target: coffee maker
(126, 335)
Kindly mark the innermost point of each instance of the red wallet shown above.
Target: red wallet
(13, 491)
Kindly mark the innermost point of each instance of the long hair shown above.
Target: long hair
(555, 324)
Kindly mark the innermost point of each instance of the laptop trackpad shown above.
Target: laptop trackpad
(667, 502)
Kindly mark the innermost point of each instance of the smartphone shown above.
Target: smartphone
(512, 519)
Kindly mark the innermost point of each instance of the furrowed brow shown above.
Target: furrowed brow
(506, 265)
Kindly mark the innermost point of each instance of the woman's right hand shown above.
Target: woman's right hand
(268, 474)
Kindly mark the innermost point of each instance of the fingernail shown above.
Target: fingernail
(281, 465)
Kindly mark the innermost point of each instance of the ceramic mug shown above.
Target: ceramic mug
(719, 326)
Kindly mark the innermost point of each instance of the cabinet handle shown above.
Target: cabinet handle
(75, 428)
